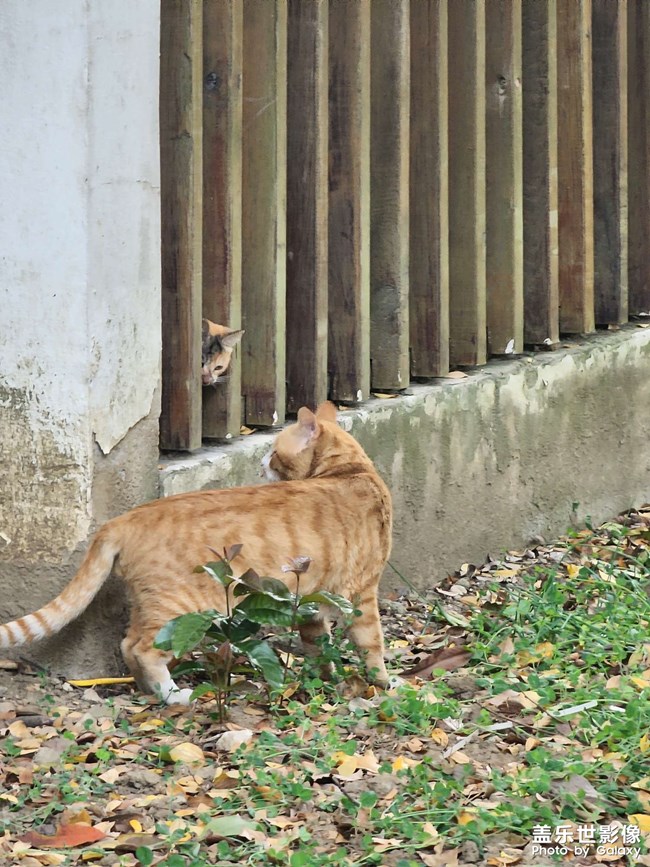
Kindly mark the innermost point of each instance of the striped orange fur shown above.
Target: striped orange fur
(326, 502)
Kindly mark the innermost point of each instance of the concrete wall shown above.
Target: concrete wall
(482, 464)
(79, 289)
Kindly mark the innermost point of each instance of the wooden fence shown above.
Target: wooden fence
(376, 190)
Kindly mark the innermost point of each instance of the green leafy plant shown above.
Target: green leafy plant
(228, 643)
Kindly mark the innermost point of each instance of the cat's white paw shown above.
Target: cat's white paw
(179, 696)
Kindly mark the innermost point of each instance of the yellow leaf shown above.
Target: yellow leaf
(642, 820)
(137, 827)
(92, 856)
(188, 753)
(640, 682)
(572, 569)
(440, 737)
(348, 765)
(643, 783)
(150, 725)
(644, 743)
(401, 763)
(460, 758)
(465, 817)
(503, 859)
(18, 729)
(101, 681)
(545, 650)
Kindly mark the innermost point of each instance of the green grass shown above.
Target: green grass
(345, 774)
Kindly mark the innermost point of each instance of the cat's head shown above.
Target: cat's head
(314, 446)
(217, 344)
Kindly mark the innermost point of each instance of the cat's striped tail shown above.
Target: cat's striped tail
(74, 598)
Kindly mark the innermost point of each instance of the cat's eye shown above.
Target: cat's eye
(219, 367)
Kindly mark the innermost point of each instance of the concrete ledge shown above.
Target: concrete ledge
(478, 465)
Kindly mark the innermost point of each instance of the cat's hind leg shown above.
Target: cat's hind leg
(365, 631)
(309, 633)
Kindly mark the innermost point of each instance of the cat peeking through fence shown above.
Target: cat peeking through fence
(217, 344)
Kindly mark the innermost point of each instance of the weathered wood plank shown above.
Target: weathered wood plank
(264, 210)
(539, 53)
(575, 166)
(467, 252)
(349, 201)
(429, 201)
(609, 59)
(181, 213)
(639, 154)
(389, 194)
(222, 188)
(504, 262)
(307, 141)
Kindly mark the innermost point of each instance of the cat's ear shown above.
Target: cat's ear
(308, 427)
(326, 411)
(230, 340)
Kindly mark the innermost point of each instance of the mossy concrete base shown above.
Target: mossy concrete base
(518, 449)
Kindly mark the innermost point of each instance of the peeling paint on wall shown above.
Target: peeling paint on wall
(44, 483)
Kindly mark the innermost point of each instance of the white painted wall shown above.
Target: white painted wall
(79, 255)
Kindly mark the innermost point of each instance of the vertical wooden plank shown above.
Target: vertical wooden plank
(639, 154)
(222, 187)
(504, 262)
(389, 194)
(349, 201)
(429, 229)
(575, 166)
(467, 288)
(264, 137)
(609, 59)
(307, 137)
(180, 192)
(539, 58)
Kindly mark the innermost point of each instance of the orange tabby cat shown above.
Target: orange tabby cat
(328, 503)
(217, 344)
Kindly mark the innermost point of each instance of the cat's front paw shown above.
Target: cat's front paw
(180, 696)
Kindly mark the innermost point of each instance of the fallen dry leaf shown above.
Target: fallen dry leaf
(642, 820)
(446, 658)
(66, 837)
(230, 741)
(188, 753)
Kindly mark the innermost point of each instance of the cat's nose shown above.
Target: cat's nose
(206, 376)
